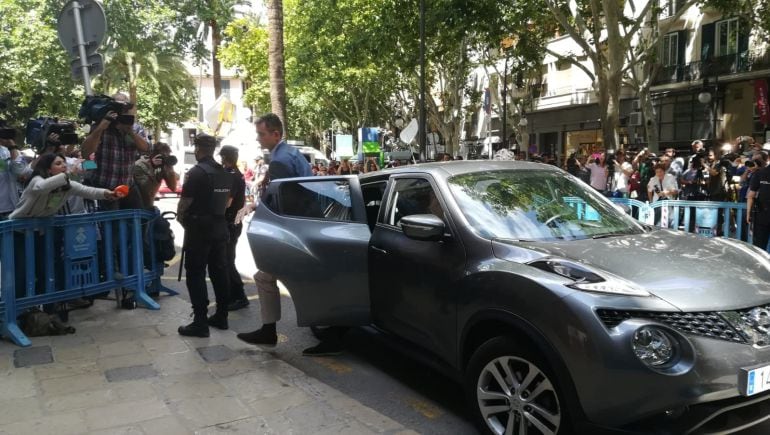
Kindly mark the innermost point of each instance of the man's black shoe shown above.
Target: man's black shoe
(194, 329)
(238, 304)
(325, 348)
(260, 337)
(218, 321)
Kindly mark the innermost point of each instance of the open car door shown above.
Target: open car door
(312, 234)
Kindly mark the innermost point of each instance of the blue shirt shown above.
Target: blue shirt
(287, 162)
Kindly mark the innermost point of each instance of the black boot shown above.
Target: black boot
(218, 320)
(198, 328)
(265, 336)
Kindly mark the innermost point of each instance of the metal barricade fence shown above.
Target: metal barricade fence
(707, 218)
(56, 259)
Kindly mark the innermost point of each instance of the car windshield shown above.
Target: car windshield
(537, 205)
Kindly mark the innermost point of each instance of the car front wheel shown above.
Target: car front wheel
(512, 392)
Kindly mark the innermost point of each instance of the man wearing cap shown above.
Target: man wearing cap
(229, 156)
(206, 194)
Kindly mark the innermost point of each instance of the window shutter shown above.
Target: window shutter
(682, 49)
(707, 41)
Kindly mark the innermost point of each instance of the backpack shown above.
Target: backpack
(162, 236)
(35, 323)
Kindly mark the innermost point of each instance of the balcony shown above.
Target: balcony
(718, 66)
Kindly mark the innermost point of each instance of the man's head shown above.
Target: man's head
(670, 152)
(229, 156)
(665, 160)
(205, 145)
(697, 145)
(269, 130)
(760, 158)
(712, 156)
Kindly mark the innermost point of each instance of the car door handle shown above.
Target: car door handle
(381, 251)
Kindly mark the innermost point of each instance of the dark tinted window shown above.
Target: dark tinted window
(412, 196)
(328, 200)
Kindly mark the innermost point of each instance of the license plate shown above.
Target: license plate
(755, 380)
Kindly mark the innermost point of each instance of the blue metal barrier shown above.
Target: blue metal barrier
(701, 217)
(67, 257)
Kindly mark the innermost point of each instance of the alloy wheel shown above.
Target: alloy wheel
(515, 397)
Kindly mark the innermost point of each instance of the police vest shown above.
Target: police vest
(220, 183)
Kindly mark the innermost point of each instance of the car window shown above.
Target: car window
(372, 194)
(412, 196)
(329, 200)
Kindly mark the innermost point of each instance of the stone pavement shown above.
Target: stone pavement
(129, 372)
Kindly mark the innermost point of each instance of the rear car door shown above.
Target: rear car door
(312, 235)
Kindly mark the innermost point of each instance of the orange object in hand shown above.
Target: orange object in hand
(121, 191)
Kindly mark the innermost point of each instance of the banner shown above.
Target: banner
(763, 107)
(344, 145)
(370, 141)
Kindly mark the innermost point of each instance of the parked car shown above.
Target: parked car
(555, 310)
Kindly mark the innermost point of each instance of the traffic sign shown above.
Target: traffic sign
(95, 64)
(94, 24)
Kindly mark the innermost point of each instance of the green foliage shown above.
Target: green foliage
(34, 68)
(245, 48)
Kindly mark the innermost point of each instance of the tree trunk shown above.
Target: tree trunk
(650, 122)
(276, 67)
(216, 71)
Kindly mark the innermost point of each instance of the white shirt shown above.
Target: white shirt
(620, 179)
(668, 183)
(598, 176)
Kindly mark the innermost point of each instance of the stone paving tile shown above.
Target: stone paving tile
(164, 426)
(70, 340)
(114, 335)
(120, 348)
(61, 370)
(59, 424)
(122, 414)
(179, 363)
(203, 412)
(277, 404)
(77, 401)
(125, 430)
(255, 385)
(251, 425)
(5, 362)
(308, 418)
(217, 353)
(188, 386)
(32, 356)
(347, 428)
(72, 384)
(134, 390)
(131, 373)
(136, 359)
(236, 366)
(17, 383)
(83, 352)
(19, 410)
(163, 345)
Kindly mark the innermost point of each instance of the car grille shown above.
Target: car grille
(705, 324)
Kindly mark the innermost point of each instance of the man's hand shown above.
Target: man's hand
(157, 160)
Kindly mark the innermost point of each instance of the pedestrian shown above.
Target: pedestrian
(229, 155)
(11, 168)
(206, 194)
(598, 170)
(285, 162)
(758, 205)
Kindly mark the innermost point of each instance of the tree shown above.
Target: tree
(276, 63)
(245, 48)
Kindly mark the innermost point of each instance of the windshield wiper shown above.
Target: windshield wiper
(607, 235)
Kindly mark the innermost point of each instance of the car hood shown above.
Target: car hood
(690, 272)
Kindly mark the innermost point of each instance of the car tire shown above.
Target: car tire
(533, 404)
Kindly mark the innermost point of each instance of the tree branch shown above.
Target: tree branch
(573, 61)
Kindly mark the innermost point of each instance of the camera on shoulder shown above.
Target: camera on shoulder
(96, 107)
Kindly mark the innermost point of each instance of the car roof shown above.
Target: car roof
(452, 168)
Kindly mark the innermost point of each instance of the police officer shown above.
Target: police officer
(758, 206)
(229, 155)
(201, 211)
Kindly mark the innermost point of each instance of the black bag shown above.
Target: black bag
(163, 238)
(35, 323)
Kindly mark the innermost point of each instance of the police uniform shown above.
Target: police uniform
(206, 236)
(237, 294)
(760, 183)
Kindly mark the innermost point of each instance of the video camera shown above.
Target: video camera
(169, 160)
(38, 130)
(96, 107)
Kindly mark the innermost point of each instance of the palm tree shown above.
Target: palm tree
(276, 65)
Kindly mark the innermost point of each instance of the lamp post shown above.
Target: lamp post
(421, 130)
(705, 97)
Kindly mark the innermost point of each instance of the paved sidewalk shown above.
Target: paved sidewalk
(129, 372)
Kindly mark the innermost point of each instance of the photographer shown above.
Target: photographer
(115, 144)
(619, 172)
(148, 172)
(695, 179)
(11, 167)
(718, 175)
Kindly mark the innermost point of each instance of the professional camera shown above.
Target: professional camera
(38, 130)
(96, 107)
(6, 132)
(169, 160)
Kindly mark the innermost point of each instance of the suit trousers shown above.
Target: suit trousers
(236, 283)
(269, 297)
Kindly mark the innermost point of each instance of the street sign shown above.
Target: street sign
(95, 66)
(82, 26)
(94, 27)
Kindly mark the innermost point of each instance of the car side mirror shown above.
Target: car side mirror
(425, 227)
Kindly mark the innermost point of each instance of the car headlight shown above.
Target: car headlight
(654, 346)
(588, 279)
